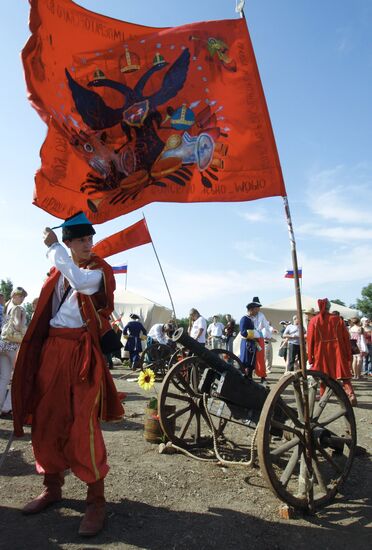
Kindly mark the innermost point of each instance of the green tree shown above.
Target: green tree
(364, 304)
(339, 302)
(6, 287)
(183, 322)
(29, 311)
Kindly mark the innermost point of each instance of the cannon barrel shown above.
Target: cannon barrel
(210, 358)
(234, 387)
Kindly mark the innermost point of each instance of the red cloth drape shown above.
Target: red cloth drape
(138, 114)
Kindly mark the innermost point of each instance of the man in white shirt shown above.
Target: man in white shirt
(197, 326)
(292, 335)
(262, 325)
(215, 332)
(160, 333)
(61, 365)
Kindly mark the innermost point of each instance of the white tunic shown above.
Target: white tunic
(157, 333)
(200, 323)
(262, 324)
(85, 281)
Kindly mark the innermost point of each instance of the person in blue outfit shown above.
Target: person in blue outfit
(248, 345)
(132, 331)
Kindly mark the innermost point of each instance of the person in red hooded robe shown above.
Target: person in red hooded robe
(329, 349)
(61, 383)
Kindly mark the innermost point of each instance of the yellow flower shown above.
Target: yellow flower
(146, 379)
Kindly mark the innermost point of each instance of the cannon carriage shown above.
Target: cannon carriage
(305, 441)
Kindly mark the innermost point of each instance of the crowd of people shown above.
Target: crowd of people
(61, 384)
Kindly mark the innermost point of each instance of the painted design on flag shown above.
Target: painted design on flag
(120, 269)
(289, 274)
(138, 114)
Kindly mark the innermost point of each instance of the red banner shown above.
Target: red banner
(134, 235)
(139, 114)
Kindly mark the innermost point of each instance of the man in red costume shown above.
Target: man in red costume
(328, 348)
(61, 382)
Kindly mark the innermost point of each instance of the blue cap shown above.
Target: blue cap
(76, 226)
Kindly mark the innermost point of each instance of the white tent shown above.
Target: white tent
(127, 302)
(283, 310)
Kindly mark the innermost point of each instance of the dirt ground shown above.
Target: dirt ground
(158, 501)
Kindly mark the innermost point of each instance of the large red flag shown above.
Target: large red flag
(139, 114)
(134, 235)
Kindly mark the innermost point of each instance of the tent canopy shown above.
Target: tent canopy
(285, 309)
(127, 302)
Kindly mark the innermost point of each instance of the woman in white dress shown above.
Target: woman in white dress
(9, 350)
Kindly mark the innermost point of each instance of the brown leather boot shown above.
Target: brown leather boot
(52, 493)
(349, 390)
(95, 513)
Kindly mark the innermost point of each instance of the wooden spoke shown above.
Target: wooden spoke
(328, 457)
(186, 424)
(285, 447)
(298, 398)
(179, 397)
(319, 476)
(290, 413)
(284, 427)
(288, 471)
(180, 412)
(332, 418)
(322, 403)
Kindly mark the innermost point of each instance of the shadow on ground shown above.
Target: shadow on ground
(136, 525)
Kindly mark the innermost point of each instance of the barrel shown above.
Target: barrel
(152, 429)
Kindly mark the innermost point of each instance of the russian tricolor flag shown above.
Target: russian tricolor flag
(289, 274)
(120, 269)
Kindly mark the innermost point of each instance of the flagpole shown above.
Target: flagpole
(162, 272)
(126, 279)
(305, 392)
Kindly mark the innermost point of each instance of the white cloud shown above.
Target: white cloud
(257, 215)
(342, 194)
(337, 233)
(247, 250)
(210, 290)
(341, 266)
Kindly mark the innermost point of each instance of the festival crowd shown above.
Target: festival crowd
(62, 385)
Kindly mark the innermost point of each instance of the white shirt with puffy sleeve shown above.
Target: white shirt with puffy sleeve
(85, 281)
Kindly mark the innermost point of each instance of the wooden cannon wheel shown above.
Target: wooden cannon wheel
(156, 357)
(181, 409)
(281, 440)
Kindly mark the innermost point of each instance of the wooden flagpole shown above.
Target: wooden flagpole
(161, 270)
(305, 390)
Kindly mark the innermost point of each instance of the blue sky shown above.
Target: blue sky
(315, 61)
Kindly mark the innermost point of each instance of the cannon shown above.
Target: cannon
(206, 401)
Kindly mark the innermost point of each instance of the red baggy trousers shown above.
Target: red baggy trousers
(65, 425)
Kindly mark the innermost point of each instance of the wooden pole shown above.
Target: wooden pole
(162, 272)
(296, 279)
(305, 389)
